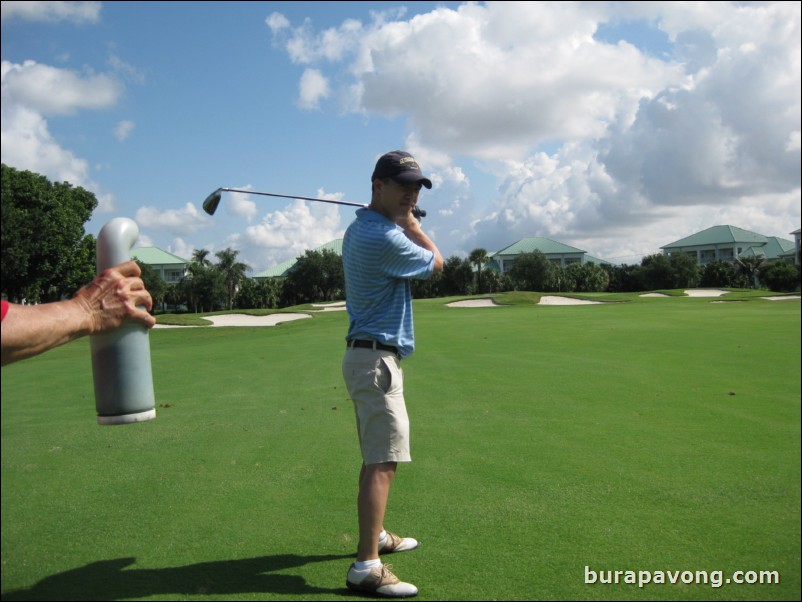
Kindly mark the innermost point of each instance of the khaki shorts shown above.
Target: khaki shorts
(375, 383)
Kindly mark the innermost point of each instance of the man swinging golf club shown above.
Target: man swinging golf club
(383, 248)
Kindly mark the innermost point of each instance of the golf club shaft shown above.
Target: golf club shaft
(211, 202)
(293, 196)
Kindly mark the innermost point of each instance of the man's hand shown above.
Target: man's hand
(113, 297)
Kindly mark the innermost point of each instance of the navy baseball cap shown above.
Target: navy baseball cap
(401, 167)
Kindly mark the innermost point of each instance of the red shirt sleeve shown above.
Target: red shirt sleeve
(5, 310)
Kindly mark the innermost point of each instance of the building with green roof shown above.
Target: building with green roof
(282, 269)
(794, 254)
(559, 253)
(719, 242)
(171, 268)
(728, 243)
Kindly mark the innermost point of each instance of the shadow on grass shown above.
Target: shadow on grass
(106, 579)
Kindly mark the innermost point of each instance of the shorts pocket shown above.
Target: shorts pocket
(383, 377)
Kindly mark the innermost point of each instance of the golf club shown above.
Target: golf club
(213, 200)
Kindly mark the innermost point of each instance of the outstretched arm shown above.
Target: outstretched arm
(103, 305)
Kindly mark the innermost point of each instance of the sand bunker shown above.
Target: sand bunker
(691, 293)
(244, 320)
(549, 300)
(274, 319)
(271, 320)
(336, 306)
(717, 293)
(546, 300)
(704, 293)
(475, 303)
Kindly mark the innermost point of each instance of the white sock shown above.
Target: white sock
(366, 565)
(382, 537)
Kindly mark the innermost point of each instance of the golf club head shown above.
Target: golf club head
(212, 201)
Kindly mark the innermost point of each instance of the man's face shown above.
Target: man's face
(395, 201)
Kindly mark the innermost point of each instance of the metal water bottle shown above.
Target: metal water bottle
(121, 359)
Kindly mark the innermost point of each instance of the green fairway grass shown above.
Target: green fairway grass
(550, 443)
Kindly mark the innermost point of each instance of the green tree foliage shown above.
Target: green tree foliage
(173, 296)
(83, 266)
(233, 272)
(623, 278)
(156, 286)
(685, 269)
(596, 278)
(203, 288)
(207, 286)
(45, 254)
(201, 257)
(718, 274)
(584, 278)
(258, 294)
(457, 277)
(781, 276)
(478, 257)
(533, 272)
(565, 278)
(656, 272)
(495, 282)
(749, 269)
(428, 288)
(316, 276)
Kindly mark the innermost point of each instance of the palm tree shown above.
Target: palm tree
(478, 257)
(191, 284)
(750, 267)
(233, 272)
(199, 256)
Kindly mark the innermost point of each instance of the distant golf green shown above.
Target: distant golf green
(555, 449)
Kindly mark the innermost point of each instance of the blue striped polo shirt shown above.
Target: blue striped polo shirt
(379, 260)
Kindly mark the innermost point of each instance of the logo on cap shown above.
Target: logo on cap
(401, 167)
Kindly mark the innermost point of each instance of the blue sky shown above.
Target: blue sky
(614, 127)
